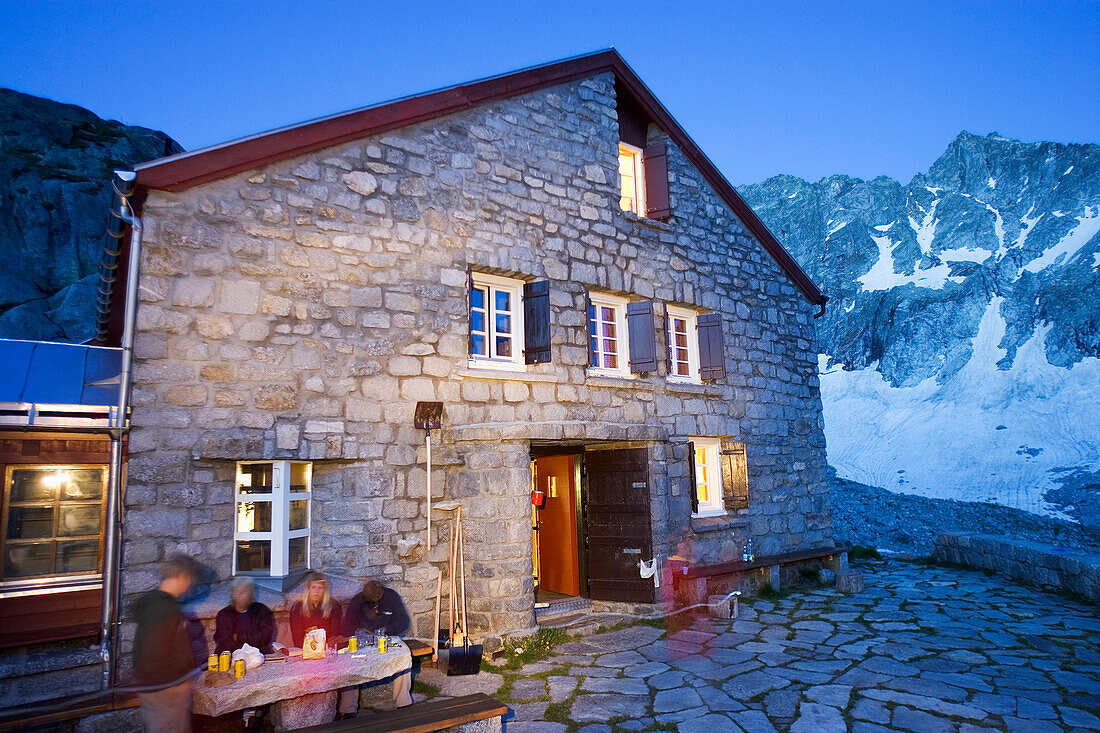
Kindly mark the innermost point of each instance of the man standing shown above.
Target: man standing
(377, 609)
(162, 648)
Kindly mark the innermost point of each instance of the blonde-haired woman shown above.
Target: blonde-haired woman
(315, 609)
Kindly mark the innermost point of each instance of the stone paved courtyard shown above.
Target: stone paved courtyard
(921, 649)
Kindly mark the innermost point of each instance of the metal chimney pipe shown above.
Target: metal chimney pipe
(122, 215)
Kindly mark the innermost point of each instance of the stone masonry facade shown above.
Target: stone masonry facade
(301, 309)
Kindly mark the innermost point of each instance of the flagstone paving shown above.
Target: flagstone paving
(920, 649)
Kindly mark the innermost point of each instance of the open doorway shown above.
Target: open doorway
(555, 550)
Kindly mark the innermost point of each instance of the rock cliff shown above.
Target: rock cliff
(962, 338)
(56, 161)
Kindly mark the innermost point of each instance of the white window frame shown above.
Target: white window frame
(493, 284)
(622, 337)
(280, 498)
(691, 322)
(710, 449)
(637, 200)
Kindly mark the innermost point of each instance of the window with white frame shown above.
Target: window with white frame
(683, 345)
(271, 517)
(708, 477)
(632, 179)
(496, 322)
(608, 342)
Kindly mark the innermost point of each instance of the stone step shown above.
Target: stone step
(559, 608)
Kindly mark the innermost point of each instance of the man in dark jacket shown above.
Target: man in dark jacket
(162, 649)
(377, 608)
(244, 620)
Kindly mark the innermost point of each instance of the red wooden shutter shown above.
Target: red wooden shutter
(643, 336)
(735, 476)
(536, 322)
(693, 490)
(655, 163)
(712, 348)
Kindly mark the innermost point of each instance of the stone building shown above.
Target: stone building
(547, 254)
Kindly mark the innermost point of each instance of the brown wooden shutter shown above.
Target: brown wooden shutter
(693, 490)
(536, 322)
(469, 313)
(735, 476)
(588, 325)
(642, 336)
(655, 164)
(712, 347)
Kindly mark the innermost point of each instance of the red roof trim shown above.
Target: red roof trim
(180, 172)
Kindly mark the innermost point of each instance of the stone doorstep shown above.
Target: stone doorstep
(558, 608)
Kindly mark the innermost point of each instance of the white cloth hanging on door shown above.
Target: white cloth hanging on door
(649, 570)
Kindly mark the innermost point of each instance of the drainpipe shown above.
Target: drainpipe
(122, 215)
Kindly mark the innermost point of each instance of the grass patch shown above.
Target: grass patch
(558, 712)
(424, 688)
(859, 552)
(768, 593)
(530, 649)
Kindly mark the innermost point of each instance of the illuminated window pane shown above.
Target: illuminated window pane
(79, 520)
(300, 474)
(253, 556)
(33, 485)
(81, 485)
(254, 516)
(299, 552)
(299, 514)
(27, 523)
(77, 557)
(27, 561)
(255, 478)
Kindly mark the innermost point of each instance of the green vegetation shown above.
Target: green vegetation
(859, 552)
(530, 649)
(424, 688)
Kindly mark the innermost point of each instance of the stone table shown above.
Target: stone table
(303, 690)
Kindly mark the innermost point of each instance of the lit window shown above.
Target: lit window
(632, 196)
(496, 322)
(53, 519)
(607, 336)
(271, 521)
(683, 346)
(708, 477)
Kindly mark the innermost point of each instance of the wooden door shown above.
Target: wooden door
(557, 526)
(617, 525)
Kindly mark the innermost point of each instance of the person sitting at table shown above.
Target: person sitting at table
(244, 620)
(316, 609)
(377, 608)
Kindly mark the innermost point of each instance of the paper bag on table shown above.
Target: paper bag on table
(313, 646)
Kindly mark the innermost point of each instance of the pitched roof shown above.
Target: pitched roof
(183, 171)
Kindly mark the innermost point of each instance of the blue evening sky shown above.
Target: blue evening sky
(807, 88)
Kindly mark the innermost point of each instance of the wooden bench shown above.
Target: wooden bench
(696, 575)
(421, 717)
(419, 650)
(59, 710)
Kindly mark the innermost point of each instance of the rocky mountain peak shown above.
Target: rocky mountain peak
(58, 160)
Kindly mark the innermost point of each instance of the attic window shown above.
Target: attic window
(632, 197)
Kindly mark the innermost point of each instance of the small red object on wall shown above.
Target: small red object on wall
(538, 497)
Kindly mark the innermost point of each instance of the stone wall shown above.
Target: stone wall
(301, 309)
(1033, 563)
